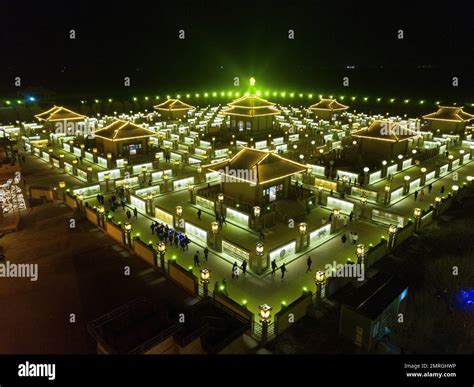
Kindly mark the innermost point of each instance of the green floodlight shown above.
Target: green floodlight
(258, 93)
(146, 98)
(168, 97)
(275, 93)
(365, 99)
(292, 95)
(188, 96)
(223, 94)
(206, 95)
(301, 95)
(392, 100)
(406, 101)
(8, 102)
(178, 96)
(110, 99)
(267, 93)
(310, 95)
(157, 97)
(353, 98)
(214, 94)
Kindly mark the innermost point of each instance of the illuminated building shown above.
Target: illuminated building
(327, 109)
(251, 113)
(123, 138)
(449, 119)
(384, 140)
(256, 177)
(173, 109)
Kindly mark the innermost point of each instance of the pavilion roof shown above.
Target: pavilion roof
(449, 113)
(121, 130)
(59, 113)
(386, 130)
(251, 106)
(265, 165)
(173, 105)
(328, 104)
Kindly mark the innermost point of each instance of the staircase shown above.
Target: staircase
(289, 209)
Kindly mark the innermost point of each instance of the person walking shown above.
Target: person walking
(442, 189)
(351, 216)
(235, 270)
(129, 215)
(343, 238)
(135, 213)
(422, 195)
(309, 262)
(206, 253)
(261, 235)
(355, 238)
(283, 270)
(274, 266)
(430, 188)
(152, 227)
(199, 214)
(196, 259)
(244, 267)
(415, 195)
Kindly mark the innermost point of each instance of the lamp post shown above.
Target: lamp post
(165, 182)
(214, 230)
(199, 172)
(191, 192)
(128, 233)
(437, 202)
(320, 194)
(392, 233)
(162, 252)
(220, 199)
(149, 199)
(79, 200)
(101, 216)
(406, 184)
(320, 282)
(363, 202)
(62, 186)
(265, 315)
(366, 176)
(302, 228)
(417, 217)
(144, 173)
(345, 179)
(450, 162)
(205, 279)
(384, 168)
(256, 214)
(361, 254)
(455, 189)
(387, 193)
(400, 162)
(106, 179)
(336, 212)
(109, 160)
(423, 176)
(259, 247)
(179, 214)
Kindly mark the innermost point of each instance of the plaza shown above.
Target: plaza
(258, 184)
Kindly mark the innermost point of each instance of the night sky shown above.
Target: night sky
(228, 38)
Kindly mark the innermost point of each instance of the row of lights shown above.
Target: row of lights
(267, 93)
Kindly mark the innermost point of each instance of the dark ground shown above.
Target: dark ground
(80, 271)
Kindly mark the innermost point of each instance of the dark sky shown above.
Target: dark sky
(237, 38)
